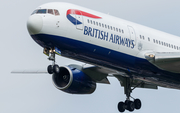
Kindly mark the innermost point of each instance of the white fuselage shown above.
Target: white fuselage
(98, 38)
(61, 26)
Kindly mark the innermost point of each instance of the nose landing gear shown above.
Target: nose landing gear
(128, 104)
(54, 68)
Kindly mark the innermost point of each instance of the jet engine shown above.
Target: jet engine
(74, 81)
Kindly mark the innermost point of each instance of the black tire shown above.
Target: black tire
(137, 103)
(56, 69)
(126, 102)
(50, 69)
(130, 106)
(121, 106)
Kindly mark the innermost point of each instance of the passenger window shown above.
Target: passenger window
(97, 23)
(143, 37)
(56, 12)
(105, 26)
(41, 11)
(94, 22)
(162, 43)
(122, 31)
(88, 20)
(111, 27)
(157, 41)
(154, 40)
(114, 28)
(177, 47)
(148, 39)
(119, 30)
(174, 47)
(50, 11)
(102, 25)
(91, 21)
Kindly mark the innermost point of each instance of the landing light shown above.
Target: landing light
(151, 55)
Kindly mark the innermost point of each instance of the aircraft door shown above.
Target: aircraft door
(132, 34)
(79, 20)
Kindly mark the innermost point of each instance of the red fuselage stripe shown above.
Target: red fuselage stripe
(78, 12)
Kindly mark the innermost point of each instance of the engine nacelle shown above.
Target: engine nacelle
(74, 81)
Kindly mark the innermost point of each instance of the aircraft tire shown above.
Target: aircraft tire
(121, 106)
(130, 106)
(56, 69)
(50, 69)
(137, 103)
(126, 102)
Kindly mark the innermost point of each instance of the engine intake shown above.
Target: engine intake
(74, 81)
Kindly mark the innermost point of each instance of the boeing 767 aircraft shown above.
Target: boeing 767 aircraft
(138, 56)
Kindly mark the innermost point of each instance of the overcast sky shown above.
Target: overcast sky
(20, 93)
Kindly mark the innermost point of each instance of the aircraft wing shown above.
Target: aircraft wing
(100, 74)
(169, 61)
(34, 71)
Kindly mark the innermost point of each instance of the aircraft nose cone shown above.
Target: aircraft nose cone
(34, 24)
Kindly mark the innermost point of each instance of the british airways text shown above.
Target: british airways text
(102, 35)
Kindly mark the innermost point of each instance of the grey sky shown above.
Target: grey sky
(36, 93)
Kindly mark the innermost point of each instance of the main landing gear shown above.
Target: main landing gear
(128, 104)
(54, 68)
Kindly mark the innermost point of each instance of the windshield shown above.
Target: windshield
(41, 11)
(46, 11)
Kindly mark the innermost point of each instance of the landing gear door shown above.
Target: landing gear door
(79, 20)
(132, 34)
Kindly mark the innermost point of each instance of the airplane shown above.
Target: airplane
(138, 56)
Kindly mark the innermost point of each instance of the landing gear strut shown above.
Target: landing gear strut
(128, 104)
(54, 68)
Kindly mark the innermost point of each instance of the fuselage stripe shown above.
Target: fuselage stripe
(79, 12)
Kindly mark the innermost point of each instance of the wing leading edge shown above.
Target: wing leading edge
(169, 61)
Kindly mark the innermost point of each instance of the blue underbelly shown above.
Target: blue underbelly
(105, 57)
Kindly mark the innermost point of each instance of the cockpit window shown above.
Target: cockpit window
(41, 11)
(50, 11)
(56, 12)
(45, 11)
(34, 12)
